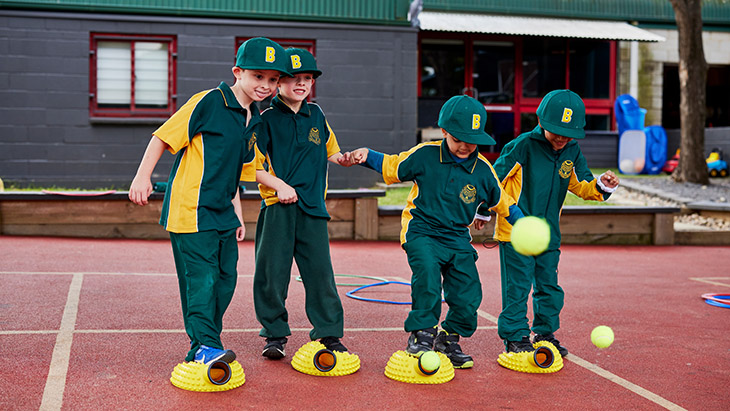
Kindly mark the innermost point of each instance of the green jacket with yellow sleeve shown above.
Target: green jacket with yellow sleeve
(539, 177)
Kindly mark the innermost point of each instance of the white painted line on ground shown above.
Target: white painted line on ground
(624, 383)
(56, 381)
(608, 375)
(708, 280)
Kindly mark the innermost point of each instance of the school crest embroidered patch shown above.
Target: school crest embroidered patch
(566, 169)
(252, 141)
(314, 136)
(468, 194)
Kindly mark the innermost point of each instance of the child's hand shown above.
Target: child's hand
(360, 155)
(609, 179)
(241, 233)
(140, 190)
(287, 195)
(479, 224)
(345, 160)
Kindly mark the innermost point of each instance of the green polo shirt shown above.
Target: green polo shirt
(296, 147)
(212, 142)
(539, 178)
(445, 194)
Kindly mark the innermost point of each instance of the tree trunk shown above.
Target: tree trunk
(692, 85)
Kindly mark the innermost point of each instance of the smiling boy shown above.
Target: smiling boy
(298, 145)
(213, 136)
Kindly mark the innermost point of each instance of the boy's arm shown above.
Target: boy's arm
(586, 186)
(141, 187)
(335, 158)
(286, 194)
(240, 231)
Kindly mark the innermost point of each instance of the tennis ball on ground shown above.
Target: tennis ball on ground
(602, 336)
(530, 235)
(429, 362)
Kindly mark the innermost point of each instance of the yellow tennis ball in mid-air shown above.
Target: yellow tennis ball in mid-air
(429, 362)
(602, 336)
(530, 235)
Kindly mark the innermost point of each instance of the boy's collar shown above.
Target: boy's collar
(469, 163)
(280, 104)
(230, 100)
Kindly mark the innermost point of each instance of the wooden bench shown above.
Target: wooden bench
(355, 216)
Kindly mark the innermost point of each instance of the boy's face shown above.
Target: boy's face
(457, 147)
(257, 84)
(557, 141)
(297, 88)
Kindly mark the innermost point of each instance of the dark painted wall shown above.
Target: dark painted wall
(368, 91)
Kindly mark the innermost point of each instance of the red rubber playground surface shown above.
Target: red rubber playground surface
(96, 324)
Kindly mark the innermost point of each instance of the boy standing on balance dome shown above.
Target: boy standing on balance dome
(452, 182)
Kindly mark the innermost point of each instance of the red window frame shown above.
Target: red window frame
(305, 44)
(523, 105)
(133, 111)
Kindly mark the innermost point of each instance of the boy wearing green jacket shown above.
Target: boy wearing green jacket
(538, 168)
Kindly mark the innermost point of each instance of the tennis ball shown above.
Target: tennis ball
(429, 362)
(530, 235)
(602, 336)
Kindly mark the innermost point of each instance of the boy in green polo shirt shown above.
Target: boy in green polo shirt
(213, 135)
(539, 168)
(452, 182)
(298, 144)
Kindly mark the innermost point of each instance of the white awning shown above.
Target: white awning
(533, 26)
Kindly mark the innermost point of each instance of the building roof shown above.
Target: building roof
(714, 12)
(533, 26)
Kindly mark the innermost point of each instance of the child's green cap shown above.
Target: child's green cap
(260, 53)
(562, 112)
(301, 61)
(464, 118)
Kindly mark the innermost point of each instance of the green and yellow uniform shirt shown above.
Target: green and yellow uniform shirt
(296, 147)
(539, 177)
(445, 194)
(212, 142)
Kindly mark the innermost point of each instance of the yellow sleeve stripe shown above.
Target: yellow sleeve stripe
(332, 146)
(175, 131)
(505, 201)
(184, 198)
(248, 173)
(406, 217)
(267, 193)
(512, 185)
(392, 162)
(584, 189)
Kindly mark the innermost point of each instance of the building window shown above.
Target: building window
(287, 43)
(543, 66)
(510, 75)
(132, 76)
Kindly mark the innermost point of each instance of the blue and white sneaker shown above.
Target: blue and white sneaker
(207, 355)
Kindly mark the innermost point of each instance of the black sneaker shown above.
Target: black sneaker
(274, 348)
(421, 341)
(524, 345)
(551, 339)
(448, 343)
(333, 344)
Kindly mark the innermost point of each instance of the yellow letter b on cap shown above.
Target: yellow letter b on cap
(567, 115)
(270, 54)
(476, 121)
(295, 62)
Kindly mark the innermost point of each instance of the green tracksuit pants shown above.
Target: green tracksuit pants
(520, 274)
(284, 231)
(206, 273)
(430, 262)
